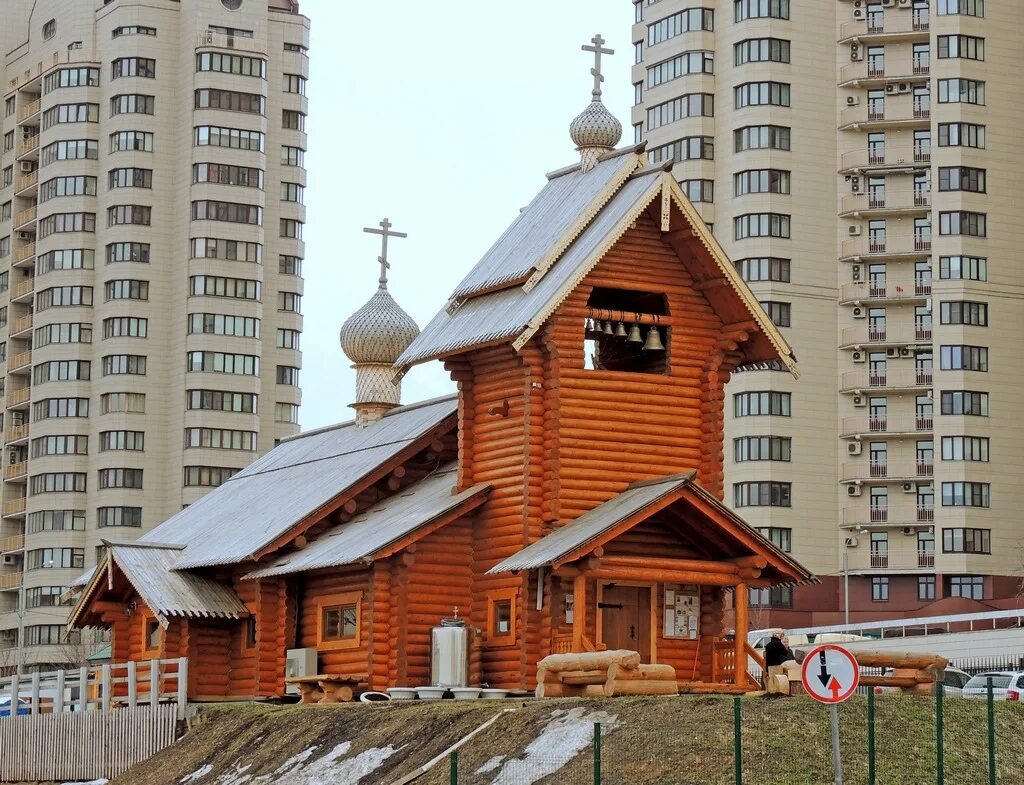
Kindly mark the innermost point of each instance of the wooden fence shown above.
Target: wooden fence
(82, 745)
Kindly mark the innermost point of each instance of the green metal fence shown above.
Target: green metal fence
(887, 739)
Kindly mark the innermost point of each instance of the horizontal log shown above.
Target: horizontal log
(660, 576)
(694, 565)
(895, 659)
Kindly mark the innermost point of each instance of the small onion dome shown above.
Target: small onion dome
(378, 332)
(596, 127)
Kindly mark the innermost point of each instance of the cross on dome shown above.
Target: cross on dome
(595, 130)
(598, 50)
(385, 232)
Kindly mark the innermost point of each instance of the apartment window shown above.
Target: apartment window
(965, 448)
(61, 371)
(55, 520)
(51, 634)
(63, 297)
(761, 225)
(761, 94)
(132, 103)
(289, 47)
(760, 9)
(8, 177)
(762, 448)
(688, 105)
(110, 517)
(961, 8)
(294, 83)
(8, 141)
(46, 597)
(293, 120)
(926, 587)
(128, 252)
(764, 268)
(963, 358)
(218, 286)
(81, 185)
(133, 66)
(120, 478)
(223, 324)
(762, 494)
(965, 402)
(963, 312)
(55, 559)
(227, 174)
(220, 439)
(698, 190)
(134, 214)
(230, 101)
(231, 250)
(55, 482)
(760, 50)
(961, 91)
(775, 597)
(291, 228)
(961, 178)
(5, 246)
(69, 150)
(229, 212)
(221, 401)
(289, 265)
(685, 149)
(288, 375)
(965, 47)
(292, 156)
(117, 32)
(779, 537)
(289, 301)
(968, 268)
(231, 64)
(965, 494)
(129, 403)
(5, 211)
(125, 327)
(962, 222)
(124, 364)
(70, 113)
(288, 339)
(692, 19)
(52, 408)
(62, 333)
(71, 77)
(66, 222)
(757, 181)
(130, 177)
(697, 62)
(970, 586)
(961, 135)
(137, 141)
(207, 476)
(780, 313)
(286, 413)
(122, 440)
(750, 404)
(879, 589)
(222, 362)
(762, 137)
(59, 445)
(9, 106)
(237, 138)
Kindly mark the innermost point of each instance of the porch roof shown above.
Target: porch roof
(637, 503)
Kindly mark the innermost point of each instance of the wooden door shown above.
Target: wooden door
(626, 618)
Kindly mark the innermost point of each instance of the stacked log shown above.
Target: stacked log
(602, 674)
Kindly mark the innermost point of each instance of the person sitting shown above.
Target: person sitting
(776, 652)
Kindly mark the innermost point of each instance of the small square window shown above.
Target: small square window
(339, 621)
(501, 617)
(249, 632)
(152, 634)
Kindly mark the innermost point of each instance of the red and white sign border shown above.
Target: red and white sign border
(812, 657)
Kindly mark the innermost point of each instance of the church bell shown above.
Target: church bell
(635, 336)
(620, 330)
(653, 342)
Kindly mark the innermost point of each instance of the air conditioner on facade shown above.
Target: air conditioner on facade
(888, 3)
(903, 87)
(24, 235)
(855, 272)
(858, 3)
(852, 100)
(860, 400)
(857, 357)
(858, 13)
(890, 88)
(26, 167)
(906, 351)
(909, 530)
(892, 352)
(299, 662)
(858, 313)
(908, 487)
(853, 490)
(855, 52)
(851, 542)
(853, 230)
(905, 3)
(855, 183)
(8, 559)
(854, 448)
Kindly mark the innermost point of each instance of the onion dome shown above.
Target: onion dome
(595, 126)
(379, 331)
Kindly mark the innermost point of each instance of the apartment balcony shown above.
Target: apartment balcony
(899, 425)
(926, 560)
(889, 290)
(20, 325)
(10, 581)
(887, 470)
(23, 289)
(16, 471)
(224, 41)
(25, 182)
(18, 397)
(898, 110)
(28, 147)
(884, 379)
(887, 515)
(894, 157)
(13, 544)
(881, 205)
(892, 247)
(20, 362)
(895, 25)
(865, 73)
(14, 508)
(24, 252)
(16, 433)
(28, 110)
(879, 561)
(25, 217)
(891, 332)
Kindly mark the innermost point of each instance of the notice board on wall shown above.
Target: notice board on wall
(682, 612)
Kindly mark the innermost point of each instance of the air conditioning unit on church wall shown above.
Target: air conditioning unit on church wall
(299, 662)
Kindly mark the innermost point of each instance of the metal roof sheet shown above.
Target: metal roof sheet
(545, 227)
(383, 524)
(278, 490)
(150, 569)
(591, 524)
(505, 314)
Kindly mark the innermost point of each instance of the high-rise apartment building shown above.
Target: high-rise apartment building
(151, 216)
(859, 162)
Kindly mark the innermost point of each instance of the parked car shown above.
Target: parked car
(952, 683)
(1006, 685)
(5, 706)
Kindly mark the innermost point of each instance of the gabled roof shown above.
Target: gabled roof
(148, 568)
(384, 527)
(291, 483)
(546, 253)
(636, 504)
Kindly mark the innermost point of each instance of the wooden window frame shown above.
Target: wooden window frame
(494, 596)
(247, 621)
(339, 600)
(148, 618)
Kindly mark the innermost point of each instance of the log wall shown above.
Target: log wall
(313, 587)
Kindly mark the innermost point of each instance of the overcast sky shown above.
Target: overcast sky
(443, 117)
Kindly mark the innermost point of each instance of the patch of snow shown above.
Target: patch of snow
(90, 782)
(295, 760)
(237, 776)
(198, 774)
(334, 769)
(490, 765)
(566, 734)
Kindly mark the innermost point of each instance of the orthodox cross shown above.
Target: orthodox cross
(385, 232)
(598, 50)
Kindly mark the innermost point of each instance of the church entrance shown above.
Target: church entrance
(626, 618)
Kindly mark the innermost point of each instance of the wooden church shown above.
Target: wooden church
(568, 499)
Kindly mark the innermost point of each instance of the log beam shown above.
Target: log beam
(742, 612)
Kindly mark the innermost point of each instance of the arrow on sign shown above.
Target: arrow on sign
(835, 689)
(823, 676)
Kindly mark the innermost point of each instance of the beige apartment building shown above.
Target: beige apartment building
(151, 216)
(860, 162)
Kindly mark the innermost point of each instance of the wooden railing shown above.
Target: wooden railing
(16, 432)
(15, 397)
(20, 360)
(23, 181)
(21, 324)
(28, 144)
(10, 580)
(24, 217)
(13, 543)
(23, 288)
(14, 506)
(28, 110)
(24, 252)
(12, 470)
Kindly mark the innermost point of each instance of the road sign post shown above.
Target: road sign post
(830, 675)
